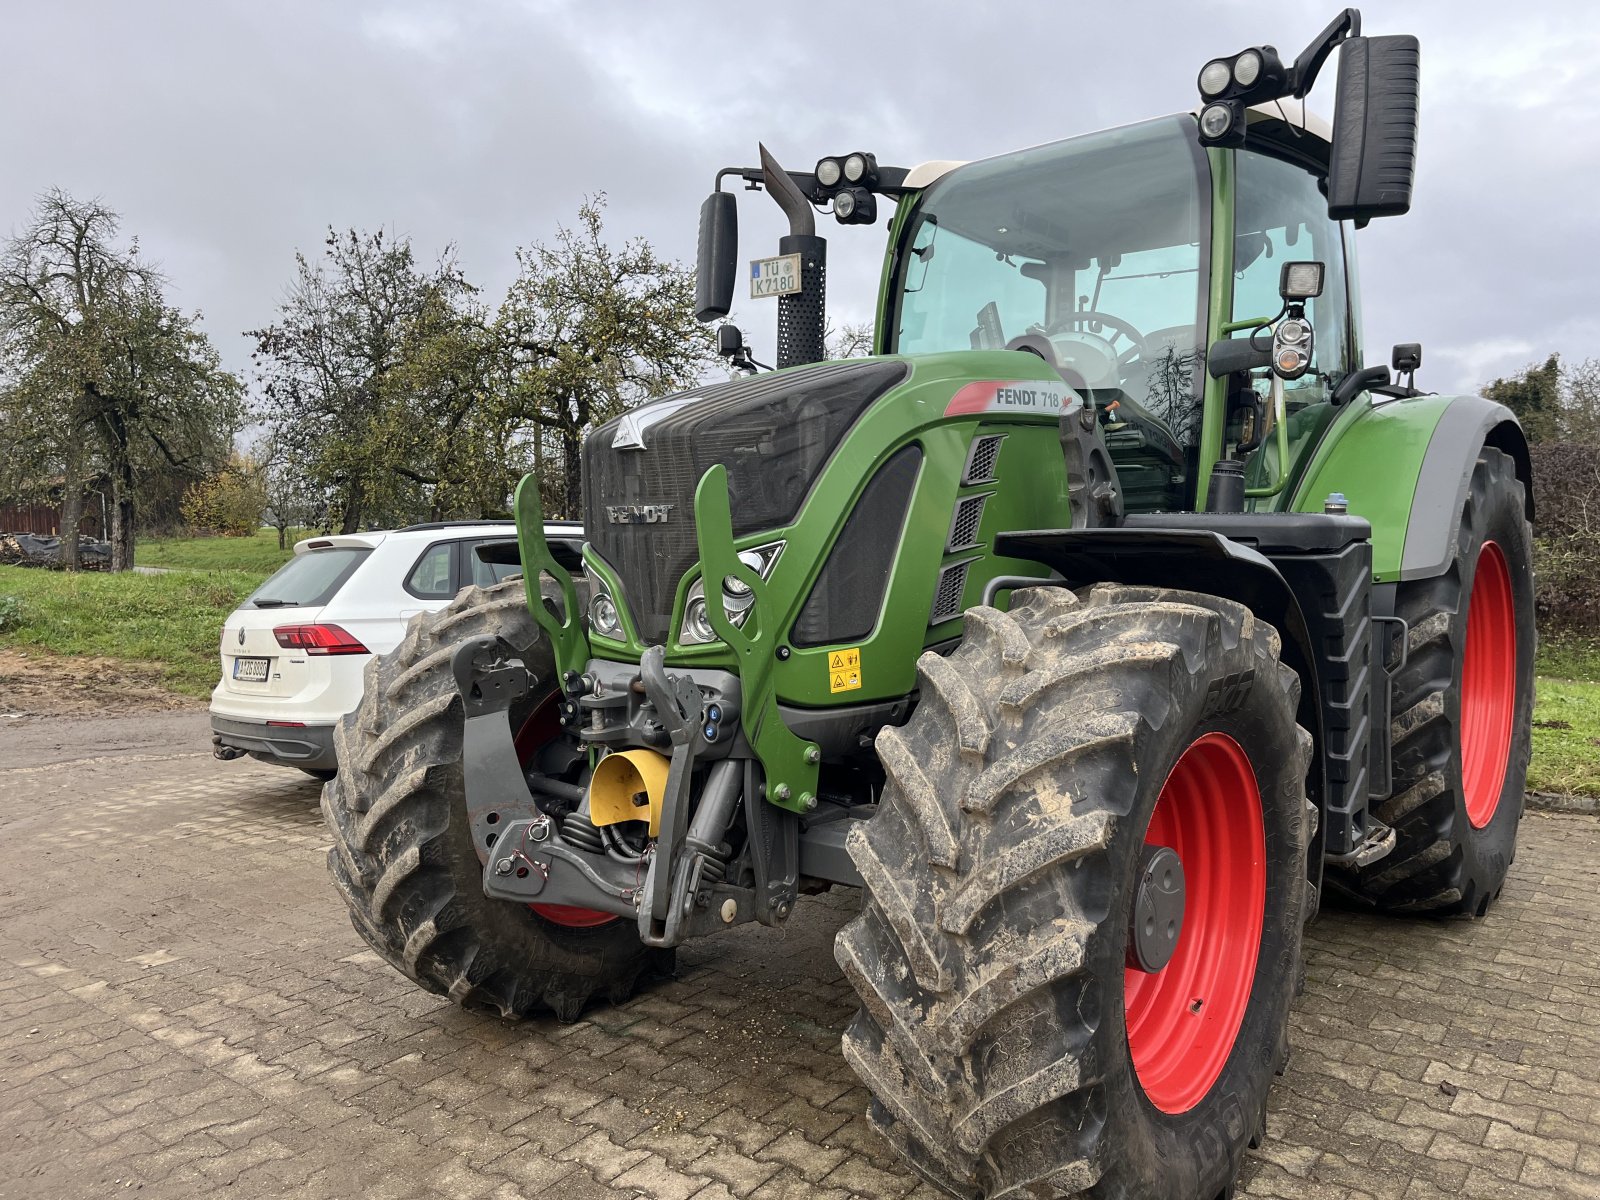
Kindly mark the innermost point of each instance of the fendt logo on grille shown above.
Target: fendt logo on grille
(639, 514)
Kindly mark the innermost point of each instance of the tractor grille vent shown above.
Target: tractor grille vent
(964, 525)
(947, 599)
(773, 432)
(848, 594)
(981, 459)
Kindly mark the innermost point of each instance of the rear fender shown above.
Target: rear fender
(1405, 466)
(1468, 425)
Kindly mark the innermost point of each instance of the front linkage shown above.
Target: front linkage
(721, 726)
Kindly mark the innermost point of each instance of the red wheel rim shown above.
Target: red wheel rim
(542, 725)
(1183, 1020)
(1488, 685)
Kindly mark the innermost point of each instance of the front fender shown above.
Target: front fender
(1193, 558)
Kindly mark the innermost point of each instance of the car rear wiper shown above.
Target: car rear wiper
(268, 602)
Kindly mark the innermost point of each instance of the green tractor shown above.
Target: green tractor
(1107, 618)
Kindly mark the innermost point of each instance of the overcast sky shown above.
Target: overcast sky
(230, 134)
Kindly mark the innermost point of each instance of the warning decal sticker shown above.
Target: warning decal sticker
(844, 670)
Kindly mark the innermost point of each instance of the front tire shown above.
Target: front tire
(1463, 715)
(402, 853)
(1010, 1048)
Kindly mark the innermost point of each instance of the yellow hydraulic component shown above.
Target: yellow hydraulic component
(629, 786)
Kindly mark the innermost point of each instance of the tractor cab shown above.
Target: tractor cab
(1097, 254)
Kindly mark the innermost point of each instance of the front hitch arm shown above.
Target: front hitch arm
(788, 761)
(564, 629)
(491, 678)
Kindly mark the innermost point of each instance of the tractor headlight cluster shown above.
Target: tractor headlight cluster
(737, 598)
(1228, 86)
(848, 180)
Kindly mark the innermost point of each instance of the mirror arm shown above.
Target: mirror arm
(1353, 384)
(1304, 72)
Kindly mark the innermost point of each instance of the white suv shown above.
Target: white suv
(294, 652)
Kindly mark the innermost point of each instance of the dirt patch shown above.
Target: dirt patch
(58, 685)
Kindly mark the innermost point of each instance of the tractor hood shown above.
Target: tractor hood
(773, 433)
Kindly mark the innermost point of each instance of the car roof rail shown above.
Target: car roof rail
(454, 524)
(485, 521)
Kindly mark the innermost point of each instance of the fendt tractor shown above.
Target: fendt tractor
(1098, 626)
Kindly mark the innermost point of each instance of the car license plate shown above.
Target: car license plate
(778, 276)
(251, 670)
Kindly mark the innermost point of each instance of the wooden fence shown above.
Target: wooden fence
(45, 519)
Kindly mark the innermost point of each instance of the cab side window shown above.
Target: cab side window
(1281, 217)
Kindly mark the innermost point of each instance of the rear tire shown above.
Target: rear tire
(402, 853)
(1463, 714)
(1000, 876)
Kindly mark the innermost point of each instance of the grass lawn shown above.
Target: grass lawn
(171, 623)
(258, 553)
(1566, 719)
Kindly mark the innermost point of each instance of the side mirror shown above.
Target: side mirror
(1374, 156)
(716, 259)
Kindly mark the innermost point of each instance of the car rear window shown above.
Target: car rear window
(309, 579)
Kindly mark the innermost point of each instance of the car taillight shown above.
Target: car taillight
(318, 639)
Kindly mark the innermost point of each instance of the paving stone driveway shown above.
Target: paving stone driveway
(185, 1011)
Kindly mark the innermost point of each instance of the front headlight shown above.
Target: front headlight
(604, 617)
(737, 599)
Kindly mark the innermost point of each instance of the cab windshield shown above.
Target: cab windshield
(1091, 254)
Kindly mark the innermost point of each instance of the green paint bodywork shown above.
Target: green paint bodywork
(1371, 453)
(1219, 311)
(911, 413)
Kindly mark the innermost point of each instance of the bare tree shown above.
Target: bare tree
(341, 368)
(850, 340)
(591, 329)
(107, 368)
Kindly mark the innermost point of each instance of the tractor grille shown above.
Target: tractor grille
(964, 525)
(981, 459)
(947, 597)
(773, 433)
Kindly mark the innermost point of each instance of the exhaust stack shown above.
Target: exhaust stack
(802, 316)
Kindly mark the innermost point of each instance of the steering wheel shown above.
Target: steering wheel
(1119, 328)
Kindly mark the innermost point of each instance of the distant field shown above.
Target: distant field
(1566, 719)
(256, 553)
(169, 625)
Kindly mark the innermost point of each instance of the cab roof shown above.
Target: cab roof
(1293, 117)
